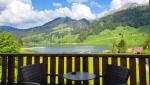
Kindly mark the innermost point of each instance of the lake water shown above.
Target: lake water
(70, 49)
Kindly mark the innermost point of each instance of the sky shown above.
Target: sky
(25, 14)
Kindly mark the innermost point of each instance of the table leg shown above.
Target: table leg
(77, 82)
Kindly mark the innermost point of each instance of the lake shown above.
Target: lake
(67, 49)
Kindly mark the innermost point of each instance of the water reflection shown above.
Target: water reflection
(70, 49)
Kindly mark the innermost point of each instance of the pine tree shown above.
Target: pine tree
(122, 46)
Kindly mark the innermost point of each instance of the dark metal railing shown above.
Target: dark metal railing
(62, 63)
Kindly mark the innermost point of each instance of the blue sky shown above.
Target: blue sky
(100, 5)
(25, 14)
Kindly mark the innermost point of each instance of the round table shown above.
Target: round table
(79, 76)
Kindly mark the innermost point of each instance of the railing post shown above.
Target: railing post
(20, 64)
(124, 62)
(52, 69)
(45, 62)
(133, 71)
(29, 60)
(96, 70)
(61, 70)
(142, 71)
(149, 69)
(114, 61)
(10, 69)
(36, 59)
(69, 68)
(85, 67)
(77, 68)
(104, 65)
(4, 69)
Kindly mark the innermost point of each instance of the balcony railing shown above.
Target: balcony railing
(62, 63)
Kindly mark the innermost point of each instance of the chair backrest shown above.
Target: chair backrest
(34, 73)
(115, 75)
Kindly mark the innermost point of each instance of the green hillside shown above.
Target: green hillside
(132, 23)
(134, 17)
(59, 34)
(133, 36)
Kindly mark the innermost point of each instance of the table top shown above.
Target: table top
(79, 76)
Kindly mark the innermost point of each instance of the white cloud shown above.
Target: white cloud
(81, 11)
(77, 1)
(18, 12)
(117, 4)
(21, 13)
(78, 11)
(56, 4)
(95, 4)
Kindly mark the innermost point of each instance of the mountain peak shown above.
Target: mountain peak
(83, 20)
(62, 18)
(66, 20)
(58, 20)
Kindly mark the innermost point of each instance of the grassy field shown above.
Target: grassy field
(132, 36)
(90, 63)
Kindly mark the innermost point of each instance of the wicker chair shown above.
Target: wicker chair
(34, 75)
(115, 75)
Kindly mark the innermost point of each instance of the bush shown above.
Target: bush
(8, 43)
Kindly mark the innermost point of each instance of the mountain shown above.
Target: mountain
(58, 29)
(135, 16)
(47, 27)
(68, 21)
(9, 29)
(67, 30)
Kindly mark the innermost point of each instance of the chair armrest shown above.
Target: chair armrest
(29, 83)
(123, 84)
